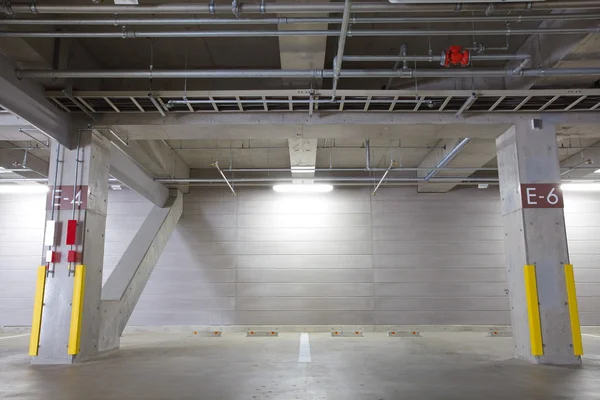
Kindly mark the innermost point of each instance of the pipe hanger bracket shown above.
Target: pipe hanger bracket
(236, 8)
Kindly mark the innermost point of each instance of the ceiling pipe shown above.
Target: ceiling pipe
(403, 50)
(337, 61)
(135, 34)
(447, 158)
(306, 74)
(290, 8)
(475, 57)
(399, 169)
(118, 21)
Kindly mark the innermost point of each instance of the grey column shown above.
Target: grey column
(86, 169)
(535, 236)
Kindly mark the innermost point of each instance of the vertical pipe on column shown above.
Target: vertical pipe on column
(368, 149)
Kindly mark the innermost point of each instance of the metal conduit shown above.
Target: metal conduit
(134, 34)
(475, 57)
(447, 158)
(308, 74)
(290, 8)
(117, 21)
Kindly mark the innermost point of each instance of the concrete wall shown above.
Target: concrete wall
(344, 257)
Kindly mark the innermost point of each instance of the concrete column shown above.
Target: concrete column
(80, 178)
(535, 236)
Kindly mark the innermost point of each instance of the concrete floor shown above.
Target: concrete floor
(461, 366)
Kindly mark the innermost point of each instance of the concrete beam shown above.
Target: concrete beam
(475, 154)
(133, 176)
(578, 160)
(548, 51)
(125, 285)
(13, 158)
(26, 99)
(339, 125)
(302, 52)
(159, 158)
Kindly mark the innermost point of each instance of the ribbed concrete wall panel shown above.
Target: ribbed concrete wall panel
(344, 257)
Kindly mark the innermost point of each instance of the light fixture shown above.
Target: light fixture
(483, 186)
(23, 189)
(303, 188)
(304, 170)
(597, 171)
(581, 187)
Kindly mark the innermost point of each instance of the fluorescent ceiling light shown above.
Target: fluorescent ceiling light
(580, 187)
(303, 188)
(23, 188)
(303, 169)
(597, 171)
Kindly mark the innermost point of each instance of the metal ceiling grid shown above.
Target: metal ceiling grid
(449, 101)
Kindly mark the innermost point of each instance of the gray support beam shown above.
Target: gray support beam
(577, 164)
(157, 157)
(85, 202)
(227, 126)
(130, 174)
(26, 99)
(535, 236)
(551, 51)
(302, 52)
(12, 157)
(128, 280)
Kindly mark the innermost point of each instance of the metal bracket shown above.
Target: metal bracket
(528, 6)
(33, 7)
(262, 7)
(211, 7)
(236, 8)
(490, 9)
(458, 7)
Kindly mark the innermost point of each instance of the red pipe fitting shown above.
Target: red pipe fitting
(455, 55)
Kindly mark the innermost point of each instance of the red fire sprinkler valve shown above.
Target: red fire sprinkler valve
(455, 55)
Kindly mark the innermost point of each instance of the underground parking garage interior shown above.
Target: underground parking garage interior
(344, 199)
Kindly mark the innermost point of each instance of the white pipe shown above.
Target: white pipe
(290, 8)
(119, 21)
(136, 34)
(317, 73)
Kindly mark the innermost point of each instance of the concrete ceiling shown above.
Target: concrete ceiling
(263, 140)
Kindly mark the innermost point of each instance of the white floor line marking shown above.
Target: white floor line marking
(10, 337)
(304, 353)
(589, 334)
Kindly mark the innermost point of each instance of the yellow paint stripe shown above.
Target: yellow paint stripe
(38, 304)
(533, 311)
(76, 310)
(573, 310)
